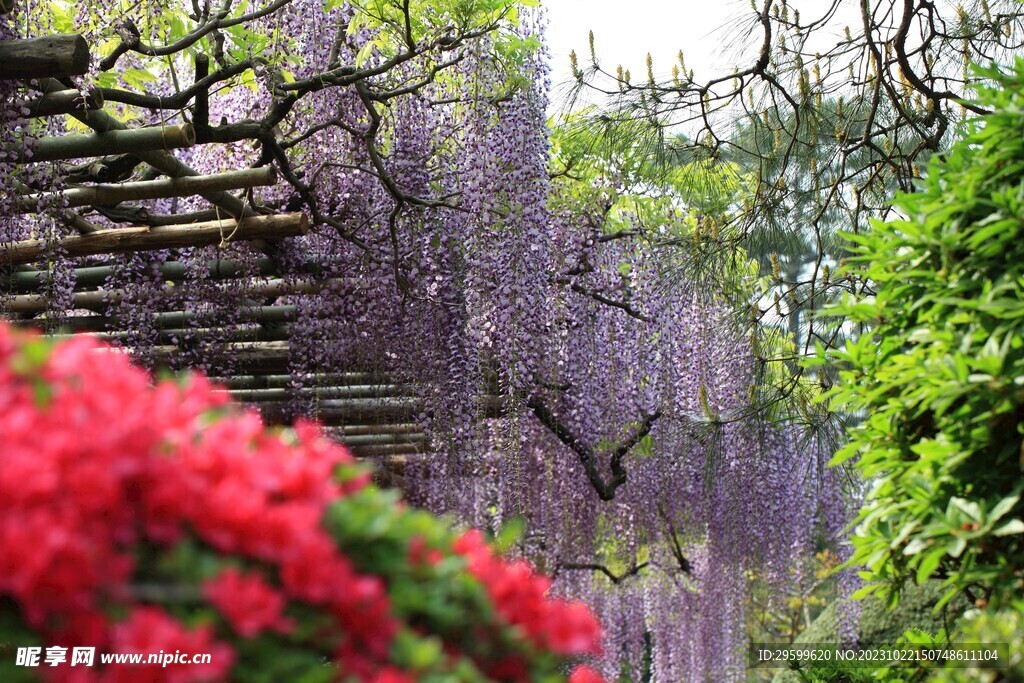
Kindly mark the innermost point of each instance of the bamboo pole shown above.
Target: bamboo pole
(384, 439)
(315, 379)
(345, 391)
(334, 411)
(249, 358)
(44, 57)
(390, 452)
(168, 164)
(361, 430)
(112, 142)
(167, 237)
(179, 321)
(69, 216)
(65, 101)
(348, 410)
(101, 298)
(114, 193)
(252, 333)
(175, 271)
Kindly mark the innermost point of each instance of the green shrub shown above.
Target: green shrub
(158, 519)
(938, 373)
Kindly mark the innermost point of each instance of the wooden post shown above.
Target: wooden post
(44, 57)
(65, 101)
(113, 142)
(166, 237)
(115, 193)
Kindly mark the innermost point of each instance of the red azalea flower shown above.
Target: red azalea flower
(584, 674)
(248, 603)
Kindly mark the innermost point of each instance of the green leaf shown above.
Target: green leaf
(364, 53)
(929, 564)
(1014, 526)
(1002, 507)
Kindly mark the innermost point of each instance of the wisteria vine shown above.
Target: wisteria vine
(559, 380)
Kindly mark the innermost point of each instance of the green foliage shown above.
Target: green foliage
(939, 380)
(395, 30)
(990, 627)
(878, 625)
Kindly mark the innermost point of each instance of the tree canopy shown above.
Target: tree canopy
(833, 108)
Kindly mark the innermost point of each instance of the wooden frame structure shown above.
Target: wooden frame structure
(375, 416)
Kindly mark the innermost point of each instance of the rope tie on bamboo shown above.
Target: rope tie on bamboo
(163, 137)
(224, 241)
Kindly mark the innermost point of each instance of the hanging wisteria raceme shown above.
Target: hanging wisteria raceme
(559, 380)
(714, 497)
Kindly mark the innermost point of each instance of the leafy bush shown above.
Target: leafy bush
(141, 518)
(939, 376)
(990, 626)
(877, 624)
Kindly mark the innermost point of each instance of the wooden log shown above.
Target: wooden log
(167, 237)
(65, 102)
(113, 142)
(44, 57)
(115, 193)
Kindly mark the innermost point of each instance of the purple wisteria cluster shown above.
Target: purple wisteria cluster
(561, 380)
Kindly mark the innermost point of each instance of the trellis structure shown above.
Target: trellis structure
(375, 415)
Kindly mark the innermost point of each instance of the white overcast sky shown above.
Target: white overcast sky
(714, 35)
(625, 31)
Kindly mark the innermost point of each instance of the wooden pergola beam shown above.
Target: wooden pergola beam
(65, 101)
(165, 237)
(113, 142)
(115, 193)
(55, 56)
